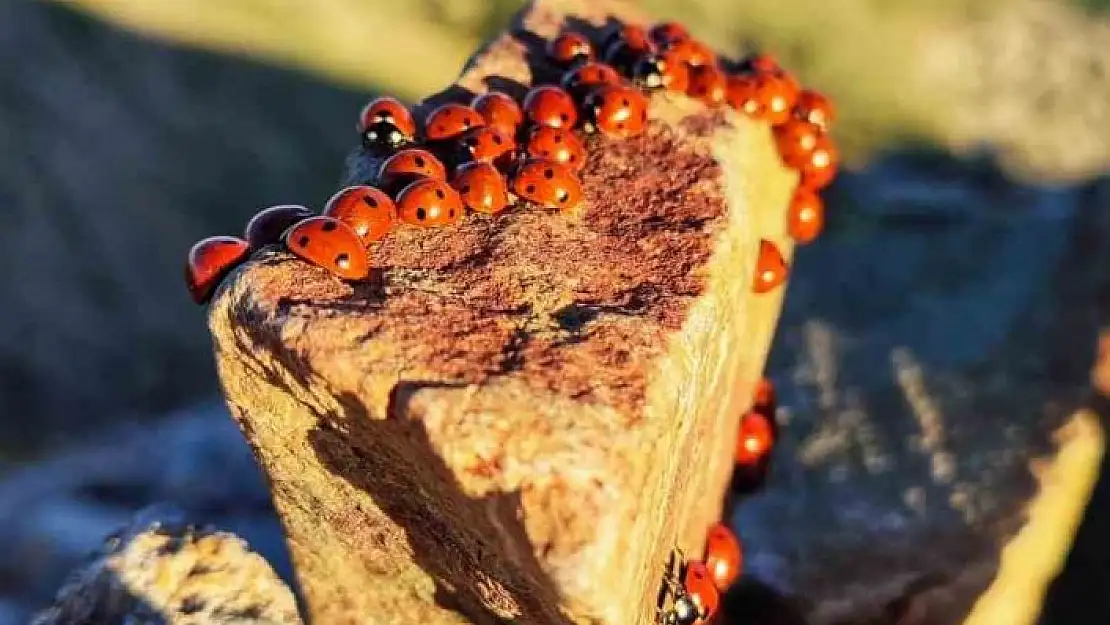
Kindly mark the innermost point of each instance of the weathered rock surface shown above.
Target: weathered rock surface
(521, 416)
(160, 572)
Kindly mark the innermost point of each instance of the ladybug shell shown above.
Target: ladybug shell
(742, 94)
(481, 187)
(699, 585)
(755, 439)
(668, 32)
(708, 84)
(821, 166)
(617, 111)
(634, 37)
(499, 110)
(763, 398)
(209, 261)
(450, 121)
(569, 48)
(770, 268)
(581, 79)
(429, 202)
(368, 211)
(548, 105)
(723, 556)
(777, 95)
(796, 140)
(692, 52)
(408, 165)
(557, 144)
(806, 217)
(548, 183)
(267, 226)
(487, 143)
(662, 71)
(815, 108)
(331, 244)
(387, 110)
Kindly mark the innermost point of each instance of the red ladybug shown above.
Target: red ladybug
(547, 183)
(815, 108)
(570, 48)
(755, 440)
(763, 399)
(386, 122)
(742, 94)
(548, 105)
(806, 217)
(487, 143)
(626, 47)
(617, 110)
(708, 84)
(499, 110)
(776, 94)
(693, 52)
(450, 121)
(668, 32)
(408, 165)
(634, 36)
(368, 211)
(699, 586)
(723, 557)
(557, 144)
(820, 168)
(209, 261)
(770, 268)
(662, 71)
(267, 226)
(693, 597)
(760, 63)
(429, 202)
(581, 79)
(331, 244)
(796, 141)
(481, 187)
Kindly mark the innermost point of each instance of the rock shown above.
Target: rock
(521, 416)
(167, 573)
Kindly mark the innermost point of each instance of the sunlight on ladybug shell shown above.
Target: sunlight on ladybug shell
(209, 261)
(499, 110)
(770, 268)
(548, 184)
(557, 144)
(618, 111)
(429, 203)
(755, 439)
(699, 585)
(368, 211)
(548, 105)
(723, 556)
(570, 47)
(481, 187)
(450, 121)
(806, 216)
(331, 244)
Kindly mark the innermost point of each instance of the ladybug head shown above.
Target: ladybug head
(384, 135)
(648, 72)
(684, 611)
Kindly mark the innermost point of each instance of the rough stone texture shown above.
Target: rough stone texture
(166, 573)
(492, 426)
(927, 422)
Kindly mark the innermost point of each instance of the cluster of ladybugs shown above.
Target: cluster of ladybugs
(497, 149)
(691, 589)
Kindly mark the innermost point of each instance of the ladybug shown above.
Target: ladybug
(331, 244)
(723, 557)
(693, 52)
(581, 79)
(548, 184)
(558, 145)
(755, 439)
(386, 123)
(617, 110)
(548, 105)
(776, 95)
(815, 108)
(569, 48)
(450, 121)
(368, 211)
(627, 46)
(408, 165)
(662, 71)
(695, 599)
(666, 33)
(764, 399)
(209, 261)
(770, 268)
(481, 187)
(635, 37)
(708, 84)
(429, 202)
(806, 217)
(742, 94)
(267, 226)
(760, 63)
(486, 143)
(499, 110)
(796, 140)
(821, 166)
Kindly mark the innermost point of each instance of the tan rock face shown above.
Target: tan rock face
(518, 417)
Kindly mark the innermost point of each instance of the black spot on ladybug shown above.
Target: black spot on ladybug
(450, 212)
(420, 159)
(564, 117)
(545, 153)
(530, 189)
(625, 102)
(329, 226)
(572, 158)
(497, 139)
(558, 139)
(303, 241)
(439, 194)
(370, 201)
(465, 189)
(548, 173)
(421, 214)
(440, 128)
(343, 260)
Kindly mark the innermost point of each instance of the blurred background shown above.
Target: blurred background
(975, 131)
